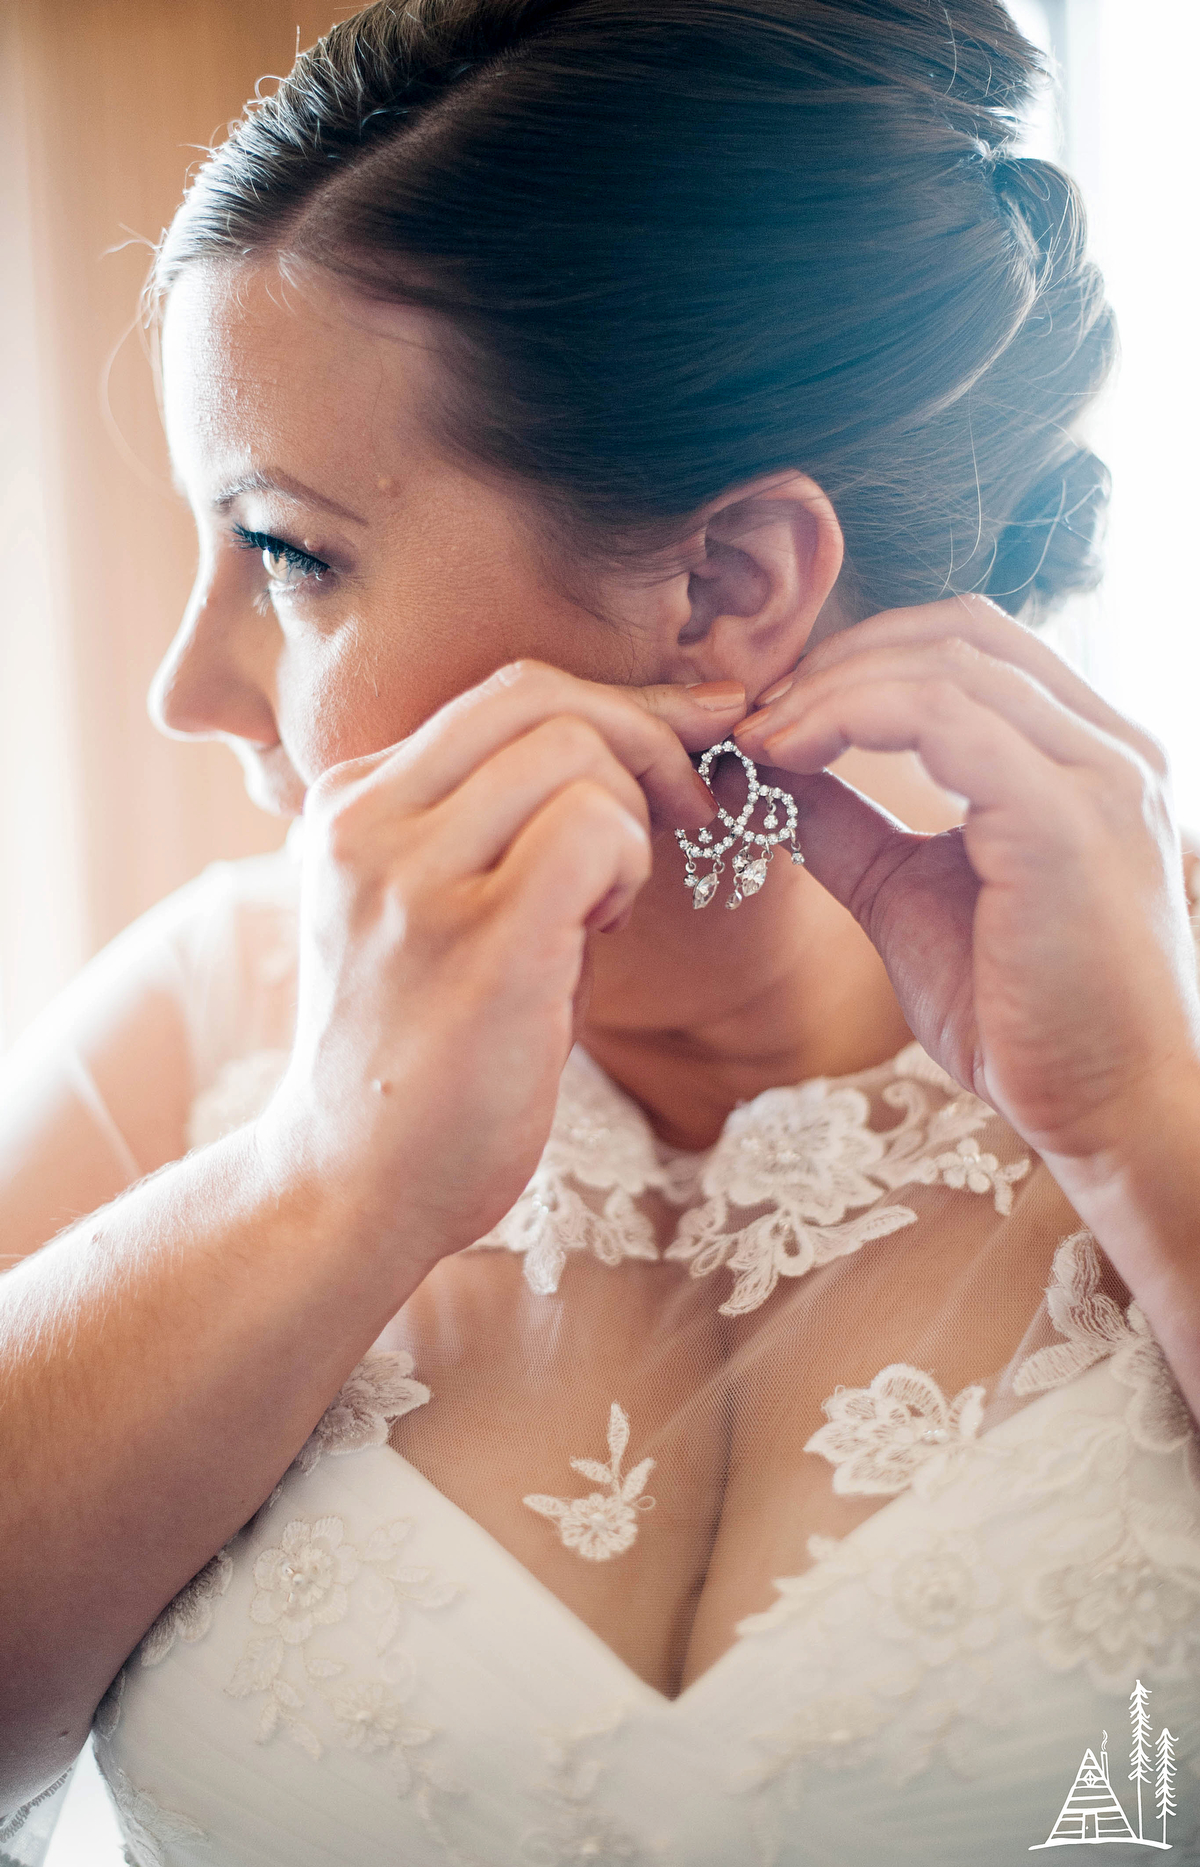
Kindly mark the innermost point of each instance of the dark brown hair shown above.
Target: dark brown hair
(683, 243)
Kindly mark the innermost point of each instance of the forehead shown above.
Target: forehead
(258, 366)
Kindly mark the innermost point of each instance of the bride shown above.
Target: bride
(513, 1361)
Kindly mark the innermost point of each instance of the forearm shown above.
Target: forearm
(1143, 1206)
(160, 1365)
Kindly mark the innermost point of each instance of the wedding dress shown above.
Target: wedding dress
(843, 1429)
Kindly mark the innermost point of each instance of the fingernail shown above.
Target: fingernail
(718, 696)
(777, 692)
(707, 800)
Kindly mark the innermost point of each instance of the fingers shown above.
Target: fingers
(462, 797)
(471, 829)
(974, 623)
(633, 723)
(581, 852)
(1054, 728)
(844, 835)
(965, 746)
(699, 716)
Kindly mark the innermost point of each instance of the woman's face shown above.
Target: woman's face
(352, 578)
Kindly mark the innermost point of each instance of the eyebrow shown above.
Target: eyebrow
(274, 480)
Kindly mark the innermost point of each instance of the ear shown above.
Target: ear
(760, 567)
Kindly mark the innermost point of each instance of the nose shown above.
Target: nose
(214, 679)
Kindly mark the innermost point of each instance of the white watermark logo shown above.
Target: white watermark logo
(1092, 1812)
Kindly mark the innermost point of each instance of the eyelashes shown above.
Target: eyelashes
(287, 566)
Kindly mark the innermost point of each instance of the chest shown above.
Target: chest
(371, 1671)
(663, 1444)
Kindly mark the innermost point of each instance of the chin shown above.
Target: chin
(273, 785)
(276, 802)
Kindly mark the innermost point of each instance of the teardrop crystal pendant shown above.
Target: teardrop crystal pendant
(754, 847)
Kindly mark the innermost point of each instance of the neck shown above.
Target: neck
(693, 1012)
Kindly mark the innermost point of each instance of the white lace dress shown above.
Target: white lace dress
(855, 1370)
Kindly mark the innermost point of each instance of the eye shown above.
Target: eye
(287, 566)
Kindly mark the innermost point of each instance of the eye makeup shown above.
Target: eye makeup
(285, 564)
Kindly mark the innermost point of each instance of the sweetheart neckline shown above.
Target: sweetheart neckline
(583, 1632)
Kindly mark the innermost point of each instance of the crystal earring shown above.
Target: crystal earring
(749, 868)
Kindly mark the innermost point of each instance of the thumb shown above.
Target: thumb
(851, 845)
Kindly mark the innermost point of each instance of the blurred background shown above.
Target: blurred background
(104, 107)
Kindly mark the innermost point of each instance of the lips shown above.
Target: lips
(272, 781)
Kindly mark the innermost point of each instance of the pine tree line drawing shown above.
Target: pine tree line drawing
(1139, 1754)
(1092, 1812)
(1164, 1794)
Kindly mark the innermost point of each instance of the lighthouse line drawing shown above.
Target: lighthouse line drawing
(1092, 1812)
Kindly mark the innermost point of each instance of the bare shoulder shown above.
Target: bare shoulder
(96, 1092)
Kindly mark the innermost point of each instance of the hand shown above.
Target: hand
(449, 886)
(1041, 953)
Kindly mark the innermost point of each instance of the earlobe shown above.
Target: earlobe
(772, 555)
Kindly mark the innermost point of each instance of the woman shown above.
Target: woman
(760, 1431)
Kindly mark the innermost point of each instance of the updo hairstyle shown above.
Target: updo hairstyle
(679, 244)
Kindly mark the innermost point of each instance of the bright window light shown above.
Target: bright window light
(1127, 133)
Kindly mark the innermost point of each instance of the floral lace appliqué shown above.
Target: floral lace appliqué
(930, 1608)
(880, 1437)
(370, 1716)
(575, 1831)
(1106, 1579)
(807, 1154)
(966, 1167)
(393, 1585)
(1095, 1328)
(1115, 1589)
(1117, 1608)
(941, 1599)
(146, 1829)
(811, 1156)
(16, 1819)
(380, 1391)
(304, 1583)
(604, 1523)
(189, 1616)
(600, 1159)
(834, 1731)
(1128, 1592)
(108, 1711)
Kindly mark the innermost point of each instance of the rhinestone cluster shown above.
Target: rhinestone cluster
(749, 866)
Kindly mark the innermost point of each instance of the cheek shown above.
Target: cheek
(368, 687)
(442, 621)
(332, 701)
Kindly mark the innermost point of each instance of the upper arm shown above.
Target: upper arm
(98, 1092)
(93, 1097)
